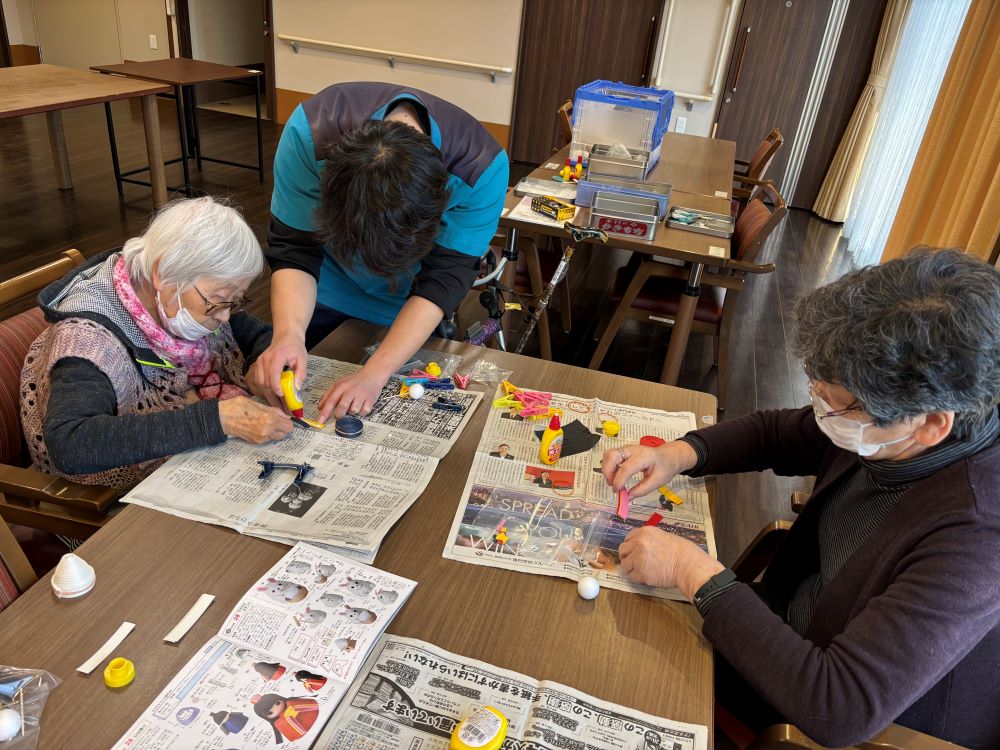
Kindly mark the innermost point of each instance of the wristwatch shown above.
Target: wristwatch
(721, 581)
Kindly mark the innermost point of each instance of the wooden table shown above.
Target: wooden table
(634, 650)
(700, 171)
(29, 89)
(183, 74)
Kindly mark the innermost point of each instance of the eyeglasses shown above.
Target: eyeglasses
(835, 412)
(234, 306)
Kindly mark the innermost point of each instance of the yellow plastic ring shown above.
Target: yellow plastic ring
(119, 673)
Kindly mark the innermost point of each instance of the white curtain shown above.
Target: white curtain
(932, 27)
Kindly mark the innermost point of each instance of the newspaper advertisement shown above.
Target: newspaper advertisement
(520, 514)
(357, 489)
(281, 661)
(412, 695)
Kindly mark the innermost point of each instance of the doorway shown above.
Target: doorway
(229, 32)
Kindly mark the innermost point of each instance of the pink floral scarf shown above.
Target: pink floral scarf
(194, 356)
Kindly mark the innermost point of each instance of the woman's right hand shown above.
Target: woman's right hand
(252, 421)
(657, 465)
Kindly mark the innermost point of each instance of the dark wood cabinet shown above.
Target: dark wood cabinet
(565, 44)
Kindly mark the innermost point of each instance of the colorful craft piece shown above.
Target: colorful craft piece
(651, 441)
(671, 496)
(462, 381)
(349, 427)
(654, 520)
(623, 500)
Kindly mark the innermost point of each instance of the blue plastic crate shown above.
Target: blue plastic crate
(608, 112)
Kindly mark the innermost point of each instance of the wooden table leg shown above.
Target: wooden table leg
(60, 157)
(682, 327)
(154, 149)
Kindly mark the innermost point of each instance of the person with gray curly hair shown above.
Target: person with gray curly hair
(148, 351)
(882, 604)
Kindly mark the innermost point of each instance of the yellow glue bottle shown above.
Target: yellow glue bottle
(486, 729)
(293, 401)
(552, 442)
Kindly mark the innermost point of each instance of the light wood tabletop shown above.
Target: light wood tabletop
(700, 172)
(634, 650)
(30, 89)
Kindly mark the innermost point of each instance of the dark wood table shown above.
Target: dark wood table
(30, 89)
(634, 650)
(700, 171)
(183, 74)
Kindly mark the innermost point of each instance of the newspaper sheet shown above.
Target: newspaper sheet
(281, 661)
(359, 487)
(561, 520)
(412, 695)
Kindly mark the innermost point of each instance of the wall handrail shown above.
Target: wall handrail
(392, 57)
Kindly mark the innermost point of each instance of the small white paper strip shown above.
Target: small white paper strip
(105, 651)
(716, 252)
(187, 622)
(551, 165)
(721, 194)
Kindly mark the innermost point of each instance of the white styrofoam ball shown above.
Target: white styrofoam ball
(416, 391)
(10, 723)
(588, 587)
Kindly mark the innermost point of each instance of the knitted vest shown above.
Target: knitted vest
(139, 388)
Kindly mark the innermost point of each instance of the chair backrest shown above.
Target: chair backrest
(764, 155)
(565, 115)
(16, 335)
(757, 221)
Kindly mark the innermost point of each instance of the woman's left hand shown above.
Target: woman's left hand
(352, 394)
(653, 557)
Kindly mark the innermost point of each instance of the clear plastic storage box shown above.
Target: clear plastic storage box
(634, 116)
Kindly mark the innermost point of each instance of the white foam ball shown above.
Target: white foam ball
(10, 724)
(416, 391)
(588, 587)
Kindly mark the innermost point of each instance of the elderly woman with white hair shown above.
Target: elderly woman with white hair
(147, 351)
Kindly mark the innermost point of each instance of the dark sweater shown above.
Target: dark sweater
(907, 631)
(84, 432)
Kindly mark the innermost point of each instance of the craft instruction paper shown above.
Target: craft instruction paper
(359, 487)
(282, 660)
(519, 514)
(411, 694)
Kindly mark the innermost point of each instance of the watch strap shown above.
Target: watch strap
(713, 588)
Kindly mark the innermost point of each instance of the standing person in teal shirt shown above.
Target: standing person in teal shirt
(385, 200)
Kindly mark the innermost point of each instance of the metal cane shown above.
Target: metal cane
(578, 235)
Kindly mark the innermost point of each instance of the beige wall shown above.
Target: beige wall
(78, 33)
(81, 33)
(688, 54)
(229, 32)
(477, 31)
(137, 19)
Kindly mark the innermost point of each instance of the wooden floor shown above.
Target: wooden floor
(37, 221)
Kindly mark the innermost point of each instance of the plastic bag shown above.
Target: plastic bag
(489, 373)
(421, 358)
(23, 693)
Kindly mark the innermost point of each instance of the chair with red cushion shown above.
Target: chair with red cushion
(648, 290)
(16, 574)
(27, 496)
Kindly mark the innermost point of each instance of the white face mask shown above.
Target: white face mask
(845, 432)
(183, 325)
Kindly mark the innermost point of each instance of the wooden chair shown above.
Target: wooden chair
(16, 574)
(648, 290)
(29, 497)
(748, 567)
(565, 116)
(755, 169)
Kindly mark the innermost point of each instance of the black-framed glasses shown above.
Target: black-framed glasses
(234, 306)
(856, 406)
